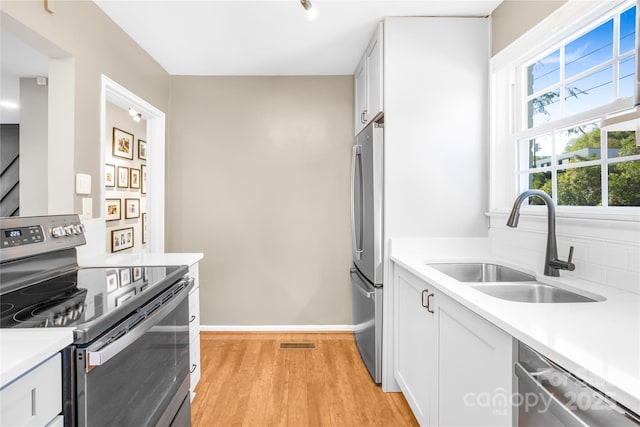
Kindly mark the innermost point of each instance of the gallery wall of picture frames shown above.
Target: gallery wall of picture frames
(126, 183)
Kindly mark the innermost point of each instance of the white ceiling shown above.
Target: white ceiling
(266, 37)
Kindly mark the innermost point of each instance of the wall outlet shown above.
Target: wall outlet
(87, 208)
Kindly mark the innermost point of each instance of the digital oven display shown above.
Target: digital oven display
(12, 233)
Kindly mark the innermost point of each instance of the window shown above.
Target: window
(565, 94)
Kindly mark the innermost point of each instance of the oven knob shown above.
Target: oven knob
(57, 232)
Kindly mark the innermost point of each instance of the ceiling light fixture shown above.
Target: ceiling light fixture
(10, 105)
(135, 115)
(311, 12)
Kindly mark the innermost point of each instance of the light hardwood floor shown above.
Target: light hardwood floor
(248, 380)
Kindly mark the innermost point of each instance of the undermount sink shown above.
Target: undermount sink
(479, 272)
(534, 293)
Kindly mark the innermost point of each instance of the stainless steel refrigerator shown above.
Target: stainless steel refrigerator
(366, 234)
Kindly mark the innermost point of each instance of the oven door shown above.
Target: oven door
(138, 373)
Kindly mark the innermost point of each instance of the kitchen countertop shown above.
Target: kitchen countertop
(140, 259)
(598, 342)
(22, 350)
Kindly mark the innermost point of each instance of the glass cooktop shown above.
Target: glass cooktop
(88, 299)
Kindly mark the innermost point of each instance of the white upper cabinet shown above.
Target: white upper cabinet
(368, 83)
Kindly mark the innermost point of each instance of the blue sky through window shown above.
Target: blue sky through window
(559, 71)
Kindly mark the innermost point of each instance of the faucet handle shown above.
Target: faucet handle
(563, 265)
(571, 257)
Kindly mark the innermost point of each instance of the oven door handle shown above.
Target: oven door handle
(102, 356)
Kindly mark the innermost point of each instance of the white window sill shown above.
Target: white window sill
(631, 215)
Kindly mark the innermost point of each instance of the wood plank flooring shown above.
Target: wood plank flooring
(247, 380)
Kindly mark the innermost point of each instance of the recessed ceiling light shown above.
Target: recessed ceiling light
(311, 12)
(10, 105)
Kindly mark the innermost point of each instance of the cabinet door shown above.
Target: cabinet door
(414, 346)
(474, 369)
(361, 101)
(374, 76)
(34, 399)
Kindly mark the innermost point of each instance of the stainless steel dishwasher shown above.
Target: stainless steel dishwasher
(549, 396)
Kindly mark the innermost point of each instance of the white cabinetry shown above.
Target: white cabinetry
(454, 367)
(435, 137)
(415, 332)
(194, 329)
(35, 399)
(475, 368)
(368, 83)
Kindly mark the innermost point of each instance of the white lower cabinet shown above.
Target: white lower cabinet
(194, 330)
(454, 367)
(35, 399)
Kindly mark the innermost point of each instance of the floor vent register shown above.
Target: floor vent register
(297, 345)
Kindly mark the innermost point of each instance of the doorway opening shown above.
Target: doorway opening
(148, 163)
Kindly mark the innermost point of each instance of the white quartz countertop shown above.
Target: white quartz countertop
(597, 341)
(22, 350)
(140, 259)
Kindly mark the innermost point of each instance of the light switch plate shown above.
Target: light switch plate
(83, 183)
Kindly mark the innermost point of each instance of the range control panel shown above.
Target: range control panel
(26, 236)
(22, 236)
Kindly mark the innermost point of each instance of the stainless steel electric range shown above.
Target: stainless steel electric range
(129, 362)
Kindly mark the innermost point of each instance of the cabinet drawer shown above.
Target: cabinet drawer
(194, 361)
(35, 398)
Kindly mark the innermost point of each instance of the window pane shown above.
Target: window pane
(591, 49)
(627, 77)
(578, 144)
(624, 184)
(535, 152)
(543, 108)
(580, 187)
(543, 73)
(627, 30)
(621, 143)
(589, 92)
(536, 181)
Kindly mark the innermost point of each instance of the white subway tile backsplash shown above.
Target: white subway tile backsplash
(609, 255)
(623, 279)
(634, 261)
(605, 252)
(591, 272)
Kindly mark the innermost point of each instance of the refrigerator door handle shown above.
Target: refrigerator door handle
(356, 235)
(361, 286)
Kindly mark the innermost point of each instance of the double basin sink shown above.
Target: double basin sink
(509, 284)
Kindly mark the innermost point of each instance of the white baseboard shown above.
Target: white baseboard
(277, 328)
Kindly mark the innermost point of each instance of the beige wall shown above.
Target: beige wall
(258, 172)
(513, 18)
(98, 46)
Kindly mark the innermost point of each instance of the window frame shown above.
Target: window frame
(508, 103)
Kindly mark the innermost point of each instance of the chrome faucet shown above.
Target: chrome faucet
(552, 265)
